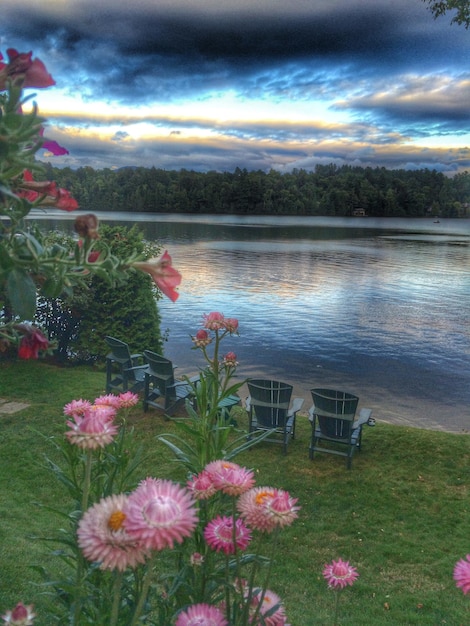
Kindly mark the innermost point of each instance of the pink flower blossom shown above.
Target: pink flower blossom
(108, 400)
(338, 574)
(462, 574)
(229, 477)
(103, 538)
(230, 359)
(94, 429)
(272, 611)
(231, 324)
(265, 508)
(196, 559)
(202, 486)
(219, 535)
(201, 615)
(165, 276)
(202, 339)
(21, 615)
(76, 408)
(21, 64)
(214, 321)
(128, 399)
(160, 512)
(52, 146)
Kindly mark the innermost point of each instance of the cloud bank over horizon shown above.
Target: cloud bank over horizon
(220, 85)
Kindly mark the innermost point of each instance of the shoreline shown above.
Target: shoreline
(387, 406)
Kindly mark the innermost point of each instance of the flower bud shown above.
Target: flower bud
(86, 226)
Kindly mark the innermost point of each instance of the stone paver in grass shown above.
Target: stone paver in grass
(7, 407)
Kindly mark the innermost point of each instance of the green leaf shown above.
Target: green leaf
(21, 292)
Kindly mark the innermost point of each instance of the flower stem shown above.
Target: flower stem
(116, 599)
(335, 621)
(87, 481)
(144, 592)
(80, 565)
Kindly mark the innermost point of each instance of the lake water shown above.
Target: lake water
(377, 307)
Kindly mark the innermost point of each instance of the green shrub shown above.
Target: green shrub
(128, 311)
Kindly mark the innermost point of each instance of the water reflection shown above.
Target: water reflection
(383, 303)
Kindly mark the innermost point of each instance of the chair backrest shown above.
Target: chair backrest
(270, 400)
(119, 351)
(335, 411)
(160, 369)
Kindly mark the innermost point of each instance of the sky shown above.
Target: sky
(212, 85)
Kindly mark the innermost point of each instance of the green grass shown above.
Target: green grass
(401, 515)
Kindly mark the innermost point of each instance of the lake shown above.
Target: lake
(377, 307)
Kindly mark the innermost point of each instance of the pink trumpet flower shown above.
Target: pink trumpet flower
(164, 275)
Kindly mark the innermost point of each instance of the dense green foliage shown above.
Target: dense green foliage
(460, 10)
(329, 190)
(127, 311)
(400, 515)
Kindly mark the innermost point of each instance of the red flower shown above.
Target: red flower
(31, 343)
(45, 193)
(21, 64)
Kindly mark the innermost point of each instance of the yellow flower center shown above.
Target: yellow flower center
(115, 521)
(262, 496)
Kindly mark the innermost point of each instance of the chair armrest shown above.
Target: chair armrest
(137, 367)
(364, 416)
(311, 413)
(297, 404)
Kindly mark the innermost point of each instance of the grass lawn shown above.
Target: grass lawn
(400, 516)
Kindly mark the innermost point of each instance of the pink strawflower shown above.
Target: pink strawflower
(214, 321)
(219, 535)
(201, 615)
(271, 611)
(338, 574)
(230, 359)
(94, 429)
(265, 508)
(22, 615)
(165, 276)
(231, 324)
(128, 399)
(202, 339)
(202, 486)
(196, 559)
(104, 412)
(76, 408)
(229, 477)
(160, 512)
(103, 538)
(108, 400)
(462, 574)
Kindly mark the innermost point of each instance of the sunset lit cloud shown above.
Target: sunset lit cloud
(219, 85)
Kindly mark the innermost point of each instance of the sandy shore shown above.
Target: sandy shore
(387, 406)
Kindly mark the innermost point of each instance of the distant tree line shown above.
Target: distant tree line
(328, 190)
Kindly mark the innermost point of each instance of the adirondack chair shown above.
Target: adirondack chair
(269, 408)
(124, 371)
(161, 390)
(334, 427)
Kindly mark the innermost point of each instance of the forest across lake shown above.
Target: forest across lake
(328, 191)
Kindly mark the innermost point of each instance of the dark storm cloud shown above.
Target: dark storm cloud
(393, 71)
(128, 53)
